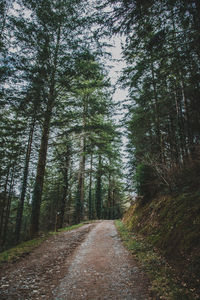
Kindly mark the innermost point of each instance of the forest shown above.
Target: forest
(61, 158)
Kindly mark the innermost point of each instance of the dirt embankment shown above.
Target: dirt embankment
(172, 225)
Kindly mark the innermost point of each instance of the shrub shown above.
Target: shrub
(146, 182)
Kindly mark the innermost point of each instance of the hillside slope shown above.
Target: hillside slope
(172, 225)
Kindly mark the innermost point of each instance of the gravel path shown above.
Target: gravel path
(87, 263)
(35, 276)
(102, 269)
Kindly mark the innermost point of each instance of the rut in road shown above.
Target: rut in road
(102, 268)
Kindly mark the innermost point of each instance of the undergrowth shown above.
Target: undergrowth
(21, 250)
(171, 223)
(163, 279)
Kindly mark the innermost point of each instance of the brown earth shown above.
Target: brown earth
(86, 263)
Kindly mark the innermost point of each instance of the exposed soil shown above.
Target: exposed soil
(87, 263)
(37, 275)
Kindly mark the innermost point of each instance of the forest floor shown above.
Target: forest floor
(87, 263)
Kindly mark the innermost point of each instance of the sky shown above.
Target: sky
(120, 95)
(117, 65)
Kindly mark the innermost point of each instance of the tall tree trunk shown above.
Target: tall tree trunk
(109, 197)
(55, 213)
(65, 186)
(7, 212)
(24, 183)
(90, 190)
(81, 179)
(196, 21)
(174, 149)
(187, 117)
(5, 6)
(181, 100)
(113, 204)
(38, 187)
(70, 216)
(99, 189)
(3, 201)
(81, 174)
(157, 116)
(69, 203)
(180, 126)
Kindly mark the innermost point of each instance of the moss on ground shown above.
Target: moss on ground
(164, 281)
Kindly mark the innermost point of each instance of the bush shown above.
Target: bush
(146, 182)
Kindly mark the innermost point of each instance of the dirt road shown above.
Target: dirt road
(88, 263)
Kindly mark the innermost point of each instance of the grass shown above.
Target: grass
(68, 228)
(20, 250)
(163, 280)
(23, 249)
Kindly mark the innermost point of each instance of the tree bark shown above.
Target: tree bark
(5, 7)
(99, 189)
(65, 186)
(24, 183)
(38, 187)
(109, 197)
(7, 212)
(90, 190)
(81, 179)
(157, 117)
(3, 202)
(113, 204)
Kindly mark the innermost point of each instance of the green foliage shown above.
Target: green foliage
(58, 112)
(162, 76)
(145, 182)
(21, 250)
(72, 227)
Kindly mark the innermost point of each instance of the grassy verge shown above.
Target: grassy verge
(25, 248)
(20, 250)
(164, 282)
(68, 228)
